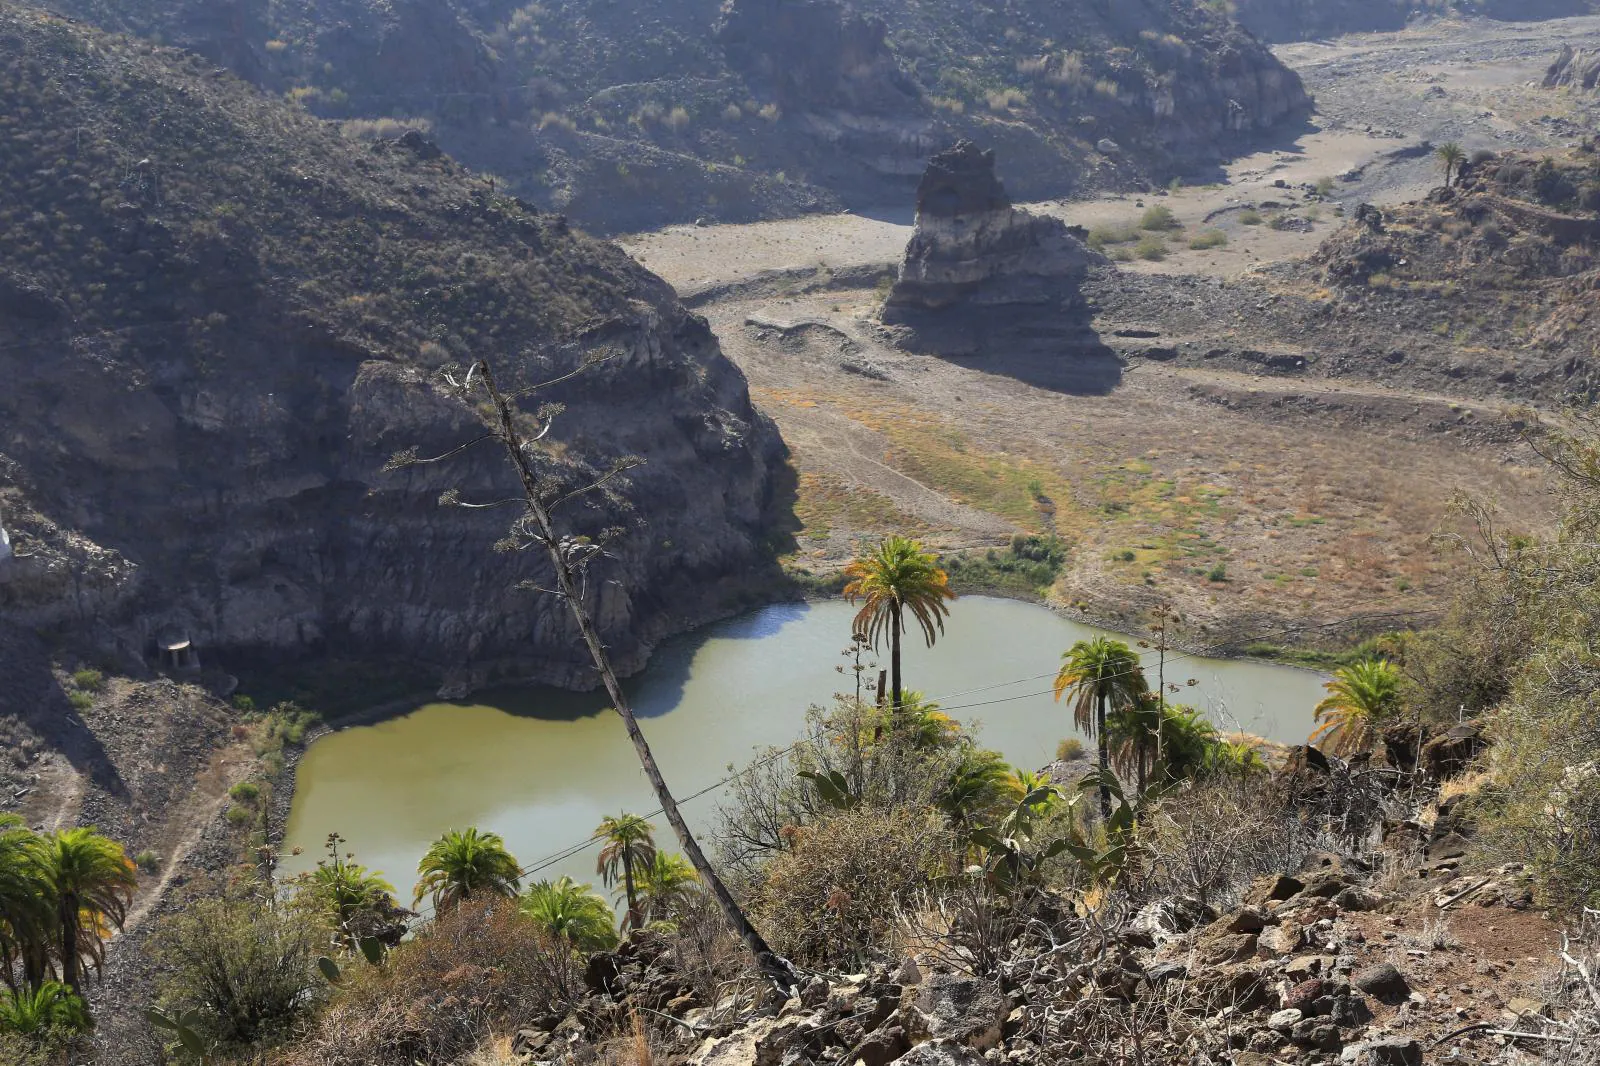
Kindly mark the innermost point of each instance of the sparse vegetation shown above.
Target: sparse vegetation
(1208, 239)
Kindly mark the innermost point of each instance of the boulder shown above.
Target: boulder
(1453, 751)
(1385, 1051)
(963, 1010)
(940, 1053)
(1382, 981)
(1273, 890)
(880, 1048)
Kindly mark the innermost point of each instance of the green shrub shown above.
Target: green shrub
(80, 700)
(1159, 219)
(1030, 563)
(1250, 217)
(244, 703)
(88, 680)
(245, 792)
(250, 970)
(1324, 186)
(148, 861)
(1217, 573)
(1102, 236)
(238, 815)
(1211, 238)
(1151, 247)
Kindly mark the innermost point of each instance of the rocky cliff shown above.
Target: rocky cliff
(630, 114)
(219, 319)
(1574, 69)
(983, 278)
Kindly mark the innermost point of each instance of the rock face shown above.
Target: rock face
(1574, 69)
(628, 114)
(983, 278)
(196, 421)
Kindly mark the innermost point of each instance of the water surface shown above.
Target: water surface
(542, 766)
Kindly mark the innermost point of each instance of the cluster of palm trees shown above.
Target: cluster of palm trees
(472, 864)
(1138, 733)
(62, 895)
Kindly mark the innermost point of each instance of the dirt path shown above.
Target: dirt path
(188, 822)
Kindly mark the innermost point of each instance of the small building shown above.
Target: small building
(176, 651)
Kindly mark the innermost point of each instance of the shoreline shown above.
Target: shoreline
(285, 785)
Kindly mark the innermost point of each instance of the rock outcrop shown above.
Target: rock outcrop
(981, 277)
(238, 336)
(1577, 69)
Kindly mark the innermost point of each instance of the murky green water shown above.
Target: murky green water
(541, 767)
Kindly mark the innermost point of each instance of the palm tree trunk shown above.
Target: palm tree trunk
(894, 660)
(67, 915)
(635, 919)
(1105, 758)
(777, 968)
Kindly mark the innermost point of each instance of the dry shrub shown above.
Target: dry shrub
(710, 955)
(1210, 841)
(479, 969)
(837, 892)
(637, 1047)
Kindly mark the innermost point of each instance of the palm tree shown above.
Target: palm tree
(1188, 740)
(1100, 675)
(630, 846)
(893, 579)
(1360, 698)
(460, 866)
(573, 912)
(1450, 157)
(1134, 734)
(50, 1006)
(91, 882)
(666, 884)
(980, 780)
(25, 914)
(355, 900)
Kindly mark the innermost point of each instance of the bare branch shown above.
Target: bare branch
(408, 457)
(622, 466)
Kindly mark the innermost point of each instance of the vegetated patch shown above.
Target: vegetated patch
(1206, 239)
(948, 460)
(1029, 564)
(1159, 219)
(826, 504)
(1151, 247)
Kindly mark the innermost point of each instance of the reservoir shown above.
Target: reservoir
(542, 766)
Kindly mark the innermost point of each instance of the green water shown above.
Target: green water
(541, 767)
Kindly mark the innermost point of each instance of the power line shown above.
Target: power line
(578, 847)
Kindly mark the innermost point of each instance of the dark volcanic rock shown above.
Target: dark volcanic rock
(199, 413)
(983, 278)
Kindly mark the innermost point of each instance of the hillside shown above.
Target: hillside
(1299, 20)
(221, 318)
(627, 115)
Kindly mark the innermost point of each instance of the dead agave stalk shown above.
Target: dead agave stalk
(570, 556)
